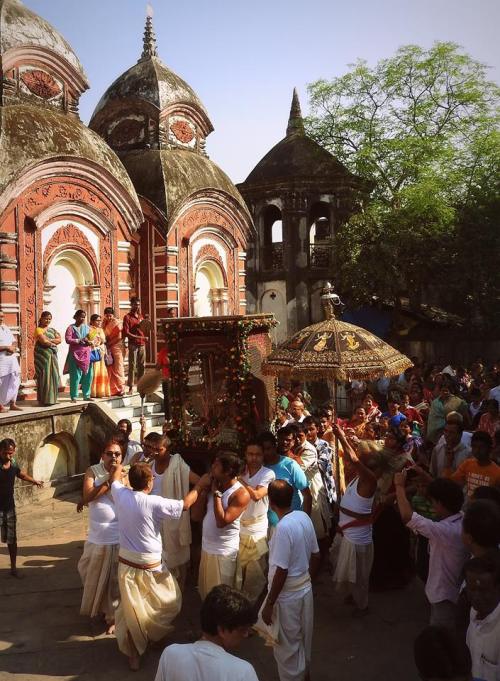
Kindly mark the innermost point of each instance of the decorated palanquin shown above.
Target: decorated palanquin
(219, 397)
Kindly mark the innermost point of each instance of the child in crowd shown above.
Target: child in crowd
(422, 505)
(477, 470)
(9, 471)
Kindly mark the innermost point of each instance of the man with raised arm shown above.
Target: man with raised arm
(150, 597)
(352, 548)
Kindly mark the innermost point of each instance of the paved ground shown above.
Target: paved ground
(43, 637)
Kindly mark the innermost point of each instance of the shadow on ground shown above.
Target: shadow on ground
(43, 637)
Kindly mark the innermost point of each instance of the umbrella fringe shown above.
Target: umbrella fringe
(331, 373)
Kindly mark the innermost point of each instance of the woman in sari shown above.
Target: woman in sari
(78, 361)
(357, 423)
(46, 366)
(417, 400)
(113, 331)
(100, 379)
(372, 412)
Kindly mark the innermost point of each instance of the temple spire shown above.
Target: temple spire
(295, 121)
(149, 40)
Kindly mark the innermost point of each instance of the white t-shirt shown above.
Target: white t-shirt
(257, 509)
(103, 523)
(202, 661)
(139, 518)
(290, 548)
(483, 641)
(132, 448)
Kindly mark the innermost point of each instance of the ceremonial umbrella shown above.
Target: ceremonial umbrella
(335, 350)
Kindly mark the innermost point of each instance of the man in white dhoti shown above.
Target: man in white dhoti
(286, 618)
(220, 511)
(254, 523)
(10, 373)
(226, 616)
(352, 549)
(98, 566)
(172, 477)
(150, 597)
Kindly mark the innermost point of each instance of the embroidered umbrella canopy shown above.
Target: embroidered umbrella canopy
(335, 350)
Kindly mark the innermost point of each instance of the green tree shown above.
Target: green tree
(422, 126)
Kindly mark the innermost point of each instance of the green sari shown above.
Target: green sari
(46, 368)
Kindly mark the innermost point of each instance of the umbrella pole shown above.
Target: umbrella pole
(337, 449)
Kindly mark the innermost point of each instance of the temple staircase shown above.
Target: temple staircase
(129, 407)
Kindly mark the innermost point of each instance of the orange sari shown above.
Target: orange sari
(116, 371)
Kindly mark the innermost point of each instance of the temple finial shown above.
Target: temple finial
(295, 121)
(149, 40)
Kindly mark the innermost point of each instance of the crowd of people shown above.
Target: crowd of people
(409, 484)
(95, 360)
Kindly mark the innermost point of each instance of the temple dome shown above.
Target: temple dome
(298, 157)
(30, 137)
(20, 27)
(169, 177)
(152, 82)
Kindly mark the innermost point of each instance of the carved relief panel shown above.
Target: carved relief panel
(181, 131)
(37, 83)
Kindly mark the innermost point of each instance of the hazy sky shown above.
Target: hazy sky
(243, 58)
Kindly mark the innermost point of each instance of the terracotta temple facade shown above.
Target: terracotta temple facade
(90, 216)
(298, 196)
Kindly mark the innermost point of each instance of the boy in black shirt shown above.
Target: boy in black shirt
(9, 471)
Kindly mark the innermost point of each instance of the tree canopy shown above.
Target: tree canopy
(423, 126)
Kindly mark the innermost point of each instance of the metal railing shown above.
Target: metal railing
(321, 256)
(273, 257)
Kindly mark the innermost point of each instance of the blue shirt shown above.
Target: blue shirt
(287, 469)
(394, 421)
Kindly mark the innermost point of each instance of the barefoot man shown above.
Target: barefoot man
(150, 595)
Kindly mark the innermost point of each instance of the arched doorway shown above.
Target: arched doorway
(70, 285)
(210, 291)
(55, 458)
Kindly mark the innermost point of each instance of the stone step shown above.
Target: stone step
(135, 411)
(124, 401)
(152, 423)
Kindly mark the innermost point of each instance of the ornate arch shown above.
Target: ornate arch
(70, 236)
(209, 252)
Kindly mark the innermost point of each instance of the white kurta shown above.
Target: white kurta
(10, 373)
(291, 546)
(483, 640)
(202, 661)
(150, 597)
